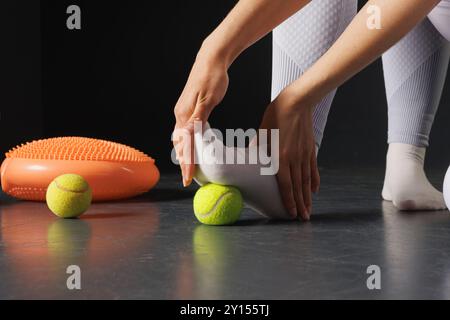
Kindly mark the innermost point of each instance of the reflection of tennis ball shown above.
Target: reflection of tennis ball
(66, 237)
(218, 205)
(69, 196)
(215, 252)
(211, 247)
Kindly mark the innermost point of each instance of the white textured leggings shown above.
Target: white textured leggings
(414, 69)
(440, 17)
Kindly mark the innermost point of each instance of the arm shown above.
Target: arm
(358, 46)
(248, 22)
(208, 81)
(291, 112)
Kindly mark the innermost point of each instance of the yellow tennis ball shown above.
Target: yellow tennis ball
(218, 205)
(69, 196)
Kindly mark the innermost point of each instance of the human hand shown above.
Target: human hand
(205, 88)
(298, 173)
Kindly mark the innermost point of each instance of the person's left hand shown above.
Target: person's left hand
(298, 174)
(205, 88)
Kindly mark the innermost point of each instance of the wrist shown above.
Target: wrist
(297, 98)
(307, 91)
(217, 52)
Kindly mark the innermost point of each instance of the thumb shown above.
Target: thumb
(201, 112)
(197, 120)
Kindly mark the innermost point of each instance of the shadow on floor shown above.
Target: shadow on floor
(165, 195)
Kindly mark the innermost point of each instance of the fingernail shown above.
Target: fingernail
(293, 212)
(305, 214)
(184, 182)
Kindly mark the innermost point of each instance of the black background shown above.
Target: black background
(21, 113)
(119, 78)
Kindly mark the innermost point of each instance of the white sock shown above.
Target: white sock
(260, 192)
(405, 183)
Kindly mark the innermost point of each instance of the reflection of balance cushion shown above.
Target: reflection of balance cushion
(113, 170)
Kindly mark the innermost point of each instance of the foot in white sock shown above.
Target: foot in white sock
(405, 183)
(260, 192)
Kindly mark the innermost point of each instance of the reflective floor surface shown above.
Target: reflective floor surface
(152, 247)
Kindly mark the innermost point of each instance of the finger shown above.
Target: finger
(306, 187)
(315, 177)
(182, 141)
(178, 147)
(182, 164)
(202, 110)
(188, 173)
(296, 176)
(199, 117)
(177, 144)
(286, 191)
(188, 167)
(184, 107)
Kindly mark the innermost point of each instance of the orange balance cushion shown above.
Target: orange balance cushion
(114, 171)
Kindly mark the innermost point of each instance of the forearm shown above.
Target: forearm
(249, 21)
(357, 47)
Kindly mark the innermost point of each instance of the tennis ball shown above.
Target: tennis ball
(218, 205)
(69, 196)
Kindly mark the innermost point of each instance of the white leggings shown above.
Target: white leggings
(414, 69)
(440, 17)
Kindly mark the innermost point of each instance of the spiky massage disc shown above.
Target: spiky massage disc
(113, 170)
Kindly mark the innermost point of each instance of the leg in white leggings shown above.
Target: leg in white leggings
(298, 43)
(301, 40)
(414, 70)
(440, 17)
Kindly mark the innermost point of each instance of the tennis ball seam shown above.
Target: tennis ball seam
(69, 190)
(212, 210)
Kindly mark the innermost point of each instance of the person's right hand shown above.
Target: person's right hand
(298, 174)
(204, 90)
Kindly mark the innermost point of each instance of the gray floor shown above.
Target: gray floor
(152, 247)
